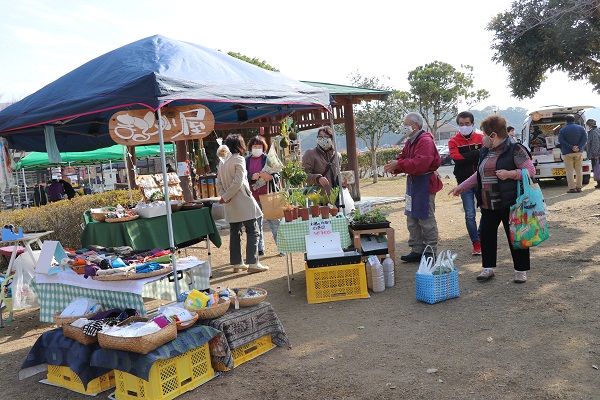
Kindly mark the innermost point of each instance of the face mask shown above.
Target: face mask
(257, 152)
(487, 141)
(465, 130)
(407, 129)
(324, 142)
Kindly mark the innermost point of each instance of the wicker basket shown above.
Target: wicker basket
(60, 321)
(98, 216)
(140, 344)
(122, 219)
(77, 334)
(176, 207)
(214, 311)
(134, 276)
(187, 323)
(252, 301)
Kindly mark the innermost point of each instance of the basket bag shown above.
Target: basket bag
(528, 224)
(272, 205)
(433, 286)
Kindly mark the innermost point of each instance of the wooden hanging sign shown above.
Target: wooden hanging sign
(140, 127)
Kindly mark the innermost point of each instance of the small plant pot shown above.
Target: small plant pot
(333, 211)
(303, 212)
(324, 212)
(288, 215)
(295, 213)
(315, 210)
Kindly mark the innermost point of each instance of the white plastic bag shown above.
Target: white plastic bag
(348, 200)
(23, 296)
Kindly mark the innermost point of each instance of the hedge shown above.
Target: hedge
(364, 160)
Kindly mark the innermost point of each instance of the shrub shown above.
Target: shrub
(66, 216)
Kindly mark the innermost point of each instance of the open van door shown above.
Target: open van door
(540, 135)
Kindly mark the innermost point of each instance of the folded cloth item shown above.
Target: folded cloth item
(117, 263)
(93, 328)
(96, 247)
(89, 254)
(124, 271)
(147, 267)
(90, 270)
(112, 313)
(105, 264)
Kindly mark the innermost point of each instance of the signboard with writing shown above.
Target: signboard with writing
(364, 207)
(140, 127)
(320, 228)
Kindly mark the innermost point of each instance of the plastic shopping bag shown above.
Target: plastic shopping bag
(528, 217)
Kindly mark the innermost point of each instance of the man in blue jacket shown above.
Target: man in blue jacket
(572, 138)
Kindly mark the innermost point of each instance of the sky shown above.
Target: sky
(320, 41)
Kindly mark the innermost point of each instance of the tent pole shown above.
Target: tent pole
(339, 168)
(25, 187)
(125, 152)
(163, 160)
(111, 172)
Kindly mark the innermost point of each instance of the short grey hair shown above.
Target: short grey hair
(415, 118)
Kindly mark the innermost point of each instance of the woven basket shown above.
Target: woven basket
(140, 344)
(252, 301)
(187, 323)
(214, 311)
(98, 216)
(77, 334)
(122, 219)
(134, 276)
(60, 321)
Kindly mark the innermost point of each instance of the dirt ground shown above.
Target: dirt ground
(499, 340)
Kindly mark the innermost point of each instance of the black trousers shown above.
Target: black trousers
(488, 226)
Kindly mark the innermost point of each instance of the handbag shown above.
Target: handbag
(528, 216)
(437, 279)
(272, 204)
(597, 169)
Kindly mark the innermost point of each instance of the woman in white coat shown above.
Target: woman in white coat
(240, 207)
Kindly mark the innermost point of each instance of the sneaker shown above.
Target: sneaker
(486, 274)
(261, 252)
(572, 191)
(476, 249)
(258, 267)
(520, 276)
(578, 190)
(240, 267)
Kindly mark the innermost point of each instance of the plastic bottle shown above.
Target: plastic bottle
(369, 277)
(377, 276)
(388, 271)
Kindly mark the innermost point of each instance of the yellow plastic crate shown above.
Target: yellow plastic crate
(168, 378)
(65, 377)
(338, 282)
(247, 352)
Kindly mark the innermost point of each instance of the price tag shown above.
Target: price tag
(320, 228)
(364, 207)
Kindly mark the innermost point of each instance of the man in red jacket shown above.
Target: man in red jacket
(464, 150)
(419, 160)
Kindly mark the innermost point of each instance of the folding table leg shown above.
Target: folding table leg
(287, 270)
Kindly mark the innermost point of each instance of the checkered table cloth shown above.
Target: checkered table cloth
(290, 235)
(55, 297)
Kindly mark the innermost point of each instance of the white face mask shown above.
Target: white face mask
(465, 130)
(407, 129)
(257, 152)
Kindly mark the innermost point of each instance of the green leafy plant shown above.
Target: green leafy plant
(333, 195)
(376, 215)
(294, 174)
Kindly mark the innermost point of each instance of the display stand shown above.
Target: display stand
(206, 186)
(389, 233)
(152, 187)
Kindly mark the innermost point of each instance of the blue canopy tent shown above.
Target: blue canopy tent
(150, 74)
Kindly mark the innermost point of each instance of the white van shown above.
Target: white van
(540, 136)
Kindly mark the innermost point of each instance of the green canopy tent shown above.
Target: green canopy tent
(35, 160)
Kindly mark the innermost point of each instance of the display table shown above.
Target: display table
(25, 241)
(243, 326)
(291, 239)
(55, 292)
(189, 227)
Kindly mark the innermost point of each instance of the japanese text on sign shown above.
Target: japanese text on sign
(364, 207)
(320, 228)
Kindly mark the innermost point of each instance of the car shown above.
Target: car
(445, 156)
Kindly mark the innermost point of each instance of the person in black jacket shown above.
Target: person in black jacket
(68, 188)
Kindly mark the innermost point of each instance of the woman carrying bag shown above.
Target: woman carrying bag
(261, 183)
(496, 180)
(240, 207)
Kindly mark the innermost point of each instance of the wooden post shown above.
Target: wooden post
(130, 166)
(351, 149)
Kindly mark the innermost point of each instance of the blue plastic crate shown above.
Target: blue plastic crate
(435, 288)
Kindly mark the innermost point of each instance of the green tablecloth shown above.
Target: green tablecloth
(189, 227)
(290, 235)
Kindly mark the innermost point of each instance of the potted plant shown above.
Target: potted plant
(314, 198)
(300, 200)
(333, 197)
(374, 219)
(324, 205)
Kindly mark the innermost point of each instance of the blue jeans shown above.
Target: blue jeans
(468, 200)
(273, 224)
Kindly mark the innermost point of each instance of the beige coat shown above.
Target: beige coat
(232, 184)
